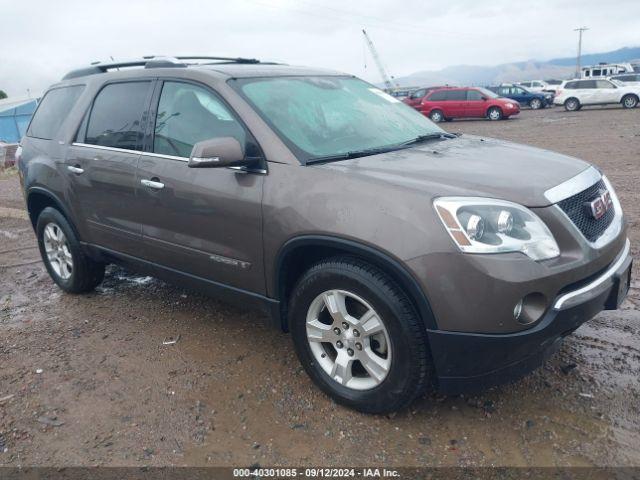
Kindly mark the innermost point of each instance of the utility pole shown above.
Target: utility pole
(579, 30)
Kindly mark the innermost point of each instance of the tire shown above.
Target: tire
(436, 116)
(536, 104)
(629, 101)
(494, 113)
(572, 104)
(401, 377)
(67, 264)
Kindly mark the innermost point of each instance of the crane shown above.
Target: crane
(374, 53)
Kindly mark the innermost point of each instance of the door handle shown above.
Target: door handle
(75, 169)
(152, 184)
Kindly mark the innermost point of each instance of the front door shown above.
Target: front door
(205, 222)
(102, 163)
(606, 92)
(476, 104)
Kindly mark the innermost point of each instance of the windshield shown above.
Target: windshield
(488, 93)
(329, 116)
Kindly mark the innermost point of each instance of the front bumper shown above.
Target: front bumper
(473, 361)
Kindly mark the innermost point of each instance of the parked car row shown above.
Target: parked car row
(446, 103)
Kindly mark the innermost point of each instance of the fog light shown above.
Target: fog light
(531, 308)
(517, 310)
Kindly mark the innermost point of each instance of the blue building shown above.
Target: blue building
(15, 115)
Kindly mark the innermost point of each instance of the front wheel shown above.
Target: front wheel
(71, 269)
(358, 336)
(629, 101)
(494, 113)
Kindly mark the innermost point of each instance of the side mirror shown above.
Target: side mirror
(217, 153)
(484, 99)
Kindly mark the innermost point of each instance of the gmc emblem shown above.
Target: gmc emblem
(599, 205)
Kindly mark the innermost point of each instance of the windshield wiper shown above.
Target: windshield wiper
(428, 136)
(375, 151)
(350, 155)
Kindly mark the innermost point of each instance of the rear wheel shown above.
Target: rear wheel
(494, 113)
(436, 116)
(67, 264)
(629, 101)
(571, 104)
(358, 336)
(535, 104)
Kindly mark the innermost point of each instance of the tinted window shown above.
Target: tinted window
(188, 114)
(456, 95)
(474, 95)
(419, 93)
(571, 85)
(116, 116)
(596, 73)
(587, 84)
(53, 109)
(438, 96)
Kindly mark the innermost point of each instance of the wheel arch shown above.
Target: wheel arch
(39, 198)
(299, 253)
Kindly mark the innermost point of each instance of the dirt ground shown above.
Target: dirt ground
(86, 380)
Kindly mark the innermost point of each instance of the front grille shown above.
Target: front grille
(576, 209)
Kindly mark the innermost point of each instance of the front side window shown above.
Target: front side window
(188, 114)
(438, 96)
(326, 116)
(52, 111)
(604, 84)
(474, 95)
(116, 116)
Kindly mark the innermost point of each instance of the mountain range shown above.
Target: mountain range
(560, 68)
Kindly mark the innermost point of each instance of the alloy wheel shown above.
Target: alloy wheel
(59, 255)
(348, 339)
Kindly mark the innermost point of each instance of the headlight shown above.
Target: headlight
(485, 225)
(510, 105)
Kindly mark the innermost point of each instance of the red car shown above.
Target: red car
(466, 102)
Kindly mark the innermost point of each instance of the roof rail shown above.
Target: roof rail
(154, 61)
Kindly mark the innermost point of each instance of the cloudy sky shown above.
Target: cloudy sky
(41, 40)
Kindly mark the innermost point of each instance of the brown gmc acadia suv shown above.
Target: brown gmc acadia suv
(400, 257)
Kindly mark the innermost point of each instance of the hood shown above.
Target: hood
(469, 166)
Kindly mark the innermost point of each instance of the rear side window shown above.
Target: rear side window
(53, 110)
(474, 95)
(571, 85)
(438, 96)
(116, 116)
(457, 95)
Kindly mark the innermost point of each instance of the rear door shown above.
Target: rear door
(585, 92)
(205, 222)
(456, 103)
(102, 164)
